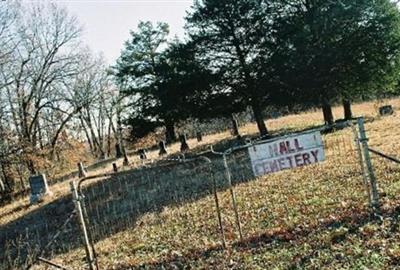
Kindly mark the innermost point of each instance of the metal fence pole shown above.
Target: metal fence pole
(87, 223)
(229, 178)
(78, 206)
(367, 158)
(361, 160)
(219, 216)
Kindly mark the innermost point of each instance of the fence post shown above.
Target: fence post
(78, 206)
(219, 216)
(229, 178)
(81, 170)
(368, 163)
(361, 159)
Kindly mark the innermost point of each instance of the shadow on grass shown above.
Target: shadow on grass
(279, 239)
(116, 203)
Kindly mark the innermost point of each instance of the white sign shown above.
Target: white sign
(287, 153)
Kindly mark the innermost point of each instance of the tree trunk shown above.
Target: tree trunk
(60, 129)
(9, 181)
(235, 126)
(170, 135)
(89, 140)
(31, 167)
(118, 150)
(348, 114)
(328, 115)
(258, 115)
(109, 140)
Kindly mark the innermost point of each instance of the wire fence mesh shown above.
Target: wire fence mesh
(39, 236)
(387, 171)
(304, 196)
(175, 208)
(147, 197)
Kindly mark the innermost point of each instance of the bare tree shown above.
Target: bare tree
(49, 85)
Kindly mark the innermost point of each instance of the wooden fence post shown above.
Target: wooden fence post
(368, 163)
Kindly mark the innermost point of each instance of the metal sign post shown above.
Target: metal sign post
(232, 192)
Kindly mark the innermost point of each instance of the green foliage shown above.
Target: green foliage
(346, 48)
(164, 80)
(258, 53)
(237, 39)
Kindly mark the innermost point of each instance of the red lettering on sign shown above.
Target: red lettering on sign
(282, 148)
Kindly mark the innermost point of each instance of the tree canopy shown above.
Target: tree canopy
(258, 53)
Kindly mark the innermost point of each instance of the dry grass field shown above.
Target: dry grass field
(315, 217)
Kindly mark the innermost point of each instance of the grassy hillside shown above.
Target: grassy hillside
(315, 217)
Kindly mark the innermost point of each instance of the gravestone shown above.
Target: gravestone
(386, 110)
(142, 154)
(115, 167)
(199, 136)
(183, 140)
(39, 188)
(163, 149)
(275, 115)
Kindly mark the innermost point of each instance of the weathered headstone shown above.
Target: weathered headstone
(81, 170)
(183, 140)
(39, 188)
(163, 149)
(115, 167)
(199, 136)
(386, 110)
(142, 154)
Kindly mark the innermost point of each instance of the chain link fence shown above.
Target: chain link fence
(306, 196)
(174, 208)
(384, 151)
(40, 234)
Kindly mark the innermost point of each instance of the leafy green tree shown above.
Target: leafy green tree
(165, 81)
(236, 40)
(342, 50)
(136, 74)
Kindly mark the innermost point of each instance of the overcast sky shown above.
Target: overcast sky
(107, 22)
